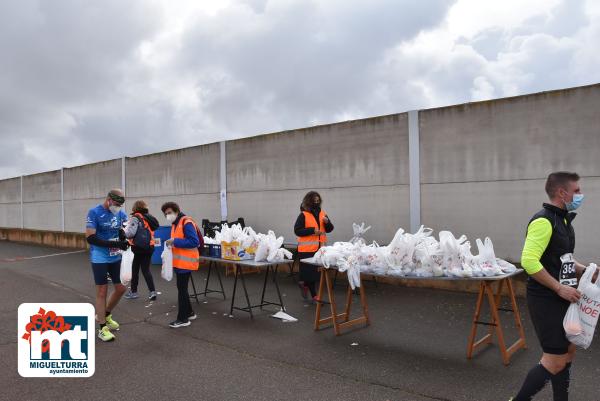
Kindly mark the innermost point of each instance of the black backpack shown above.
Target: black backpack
(143, 239)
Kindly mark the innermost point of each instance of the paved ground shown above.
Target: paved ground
(414, 349)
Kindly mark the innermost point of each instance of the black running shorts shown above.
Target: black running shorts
(547, 314)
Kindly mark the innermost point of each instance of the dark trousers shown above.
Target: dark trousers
(183, 297)
(142, 261)
(309, 274)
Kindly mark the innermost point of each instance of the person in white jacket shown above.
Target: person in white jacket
(140, 232)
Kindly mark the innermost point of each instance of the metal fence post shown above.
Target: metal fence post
(223, 175)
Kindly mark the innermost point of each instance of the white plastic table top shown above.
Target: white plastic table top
(247, 263)
(444, 278)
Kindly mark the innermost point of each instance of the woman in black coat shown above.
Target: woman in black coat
(311, 227)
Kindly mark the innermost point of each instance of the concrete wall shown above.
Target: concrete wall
(359, 167)
(85, 187)
(484, 165)
(188, 176)
(42, 201)
(482, 171)
(10, 203)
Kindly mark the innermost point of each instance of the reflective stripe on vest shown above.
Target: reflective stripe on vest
(184, 258)
(312, 243)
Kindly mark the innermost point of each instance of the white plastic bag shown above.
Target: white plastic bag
(571, 322)
(350, 266)
(274, 245)
(262, 251)
(587, 310)
(359, 233)
(506, 267)
(126, 262)
(487, 258)
(280, 255)
(166, 271)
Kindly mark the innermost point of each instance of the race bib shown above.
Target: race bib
(568, 274)
(114, 251)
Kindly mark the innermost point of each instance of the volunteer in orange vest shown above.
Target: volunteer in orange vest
(140, 232)
(184, 241)
(312, 226)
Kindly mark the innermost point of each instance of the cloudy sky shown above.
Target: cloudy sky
(84, 81)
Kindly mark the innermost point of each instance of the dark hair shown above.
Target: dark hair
(308, 200)
(559, 179)
(170, 205)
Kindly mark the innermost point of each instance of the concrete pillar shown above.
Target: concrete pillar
(62, 199)
(123, 183)
(223, 180)
(414, 170)
(22, 215)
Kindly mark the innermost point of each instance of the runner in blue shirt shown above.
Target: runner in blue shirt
(106, 238)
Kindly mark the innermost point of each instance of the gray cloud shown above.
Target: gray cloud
(83, 82)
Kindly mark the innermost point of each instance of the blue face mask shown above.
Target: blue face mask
(575, 203)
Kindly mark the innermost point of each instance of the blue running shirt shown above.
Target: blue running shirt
(107, 228)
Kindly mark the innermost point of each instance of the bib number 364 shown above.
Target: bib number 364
(568, 274)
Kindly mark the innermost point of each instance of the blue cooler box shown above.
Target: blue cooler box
(160, 236)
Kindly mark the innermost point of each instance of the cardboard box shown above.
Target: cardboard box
(234, 251)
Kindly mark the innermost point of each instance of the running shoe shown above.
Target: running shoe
(105, 335)
(178, 323)
(111, 324)
(132, 295)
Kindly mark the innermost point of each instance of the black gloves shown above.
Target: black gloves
(122, 236)
(94, 240)
(122, 245)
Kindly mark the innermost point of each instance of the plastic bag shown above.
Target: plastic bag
(506, 266)
(587, 310)
(571, 322)
(352, 269)
(453, 257)
(280, 255)
(262, 250)
(274, 245)
(487, 258)
(126, 263)
(166, 271)
(359, 232)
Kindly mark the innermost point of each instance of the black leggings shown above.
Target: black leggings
(309, 275)
(183, 297)
(312, 288)
(142, 261)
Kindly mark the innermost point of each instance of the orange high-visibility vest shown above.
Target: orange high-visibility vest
(146, 226)
(184, 258)
(312, 243)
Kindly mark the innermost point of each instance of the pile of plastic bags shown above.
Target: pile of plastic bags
(266, 247)
(419, 254)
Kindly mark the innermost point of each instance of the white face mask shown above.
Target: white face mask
(171, 217)
(114, 209)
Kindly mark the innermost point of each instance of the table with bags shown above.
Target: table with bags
(486, 291)
(239, 267)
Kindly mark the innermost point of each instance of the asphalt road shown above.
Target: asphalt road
(413, 350)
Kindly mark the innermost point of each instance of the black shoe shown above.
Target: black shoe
(178, 323)
(192, 316)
